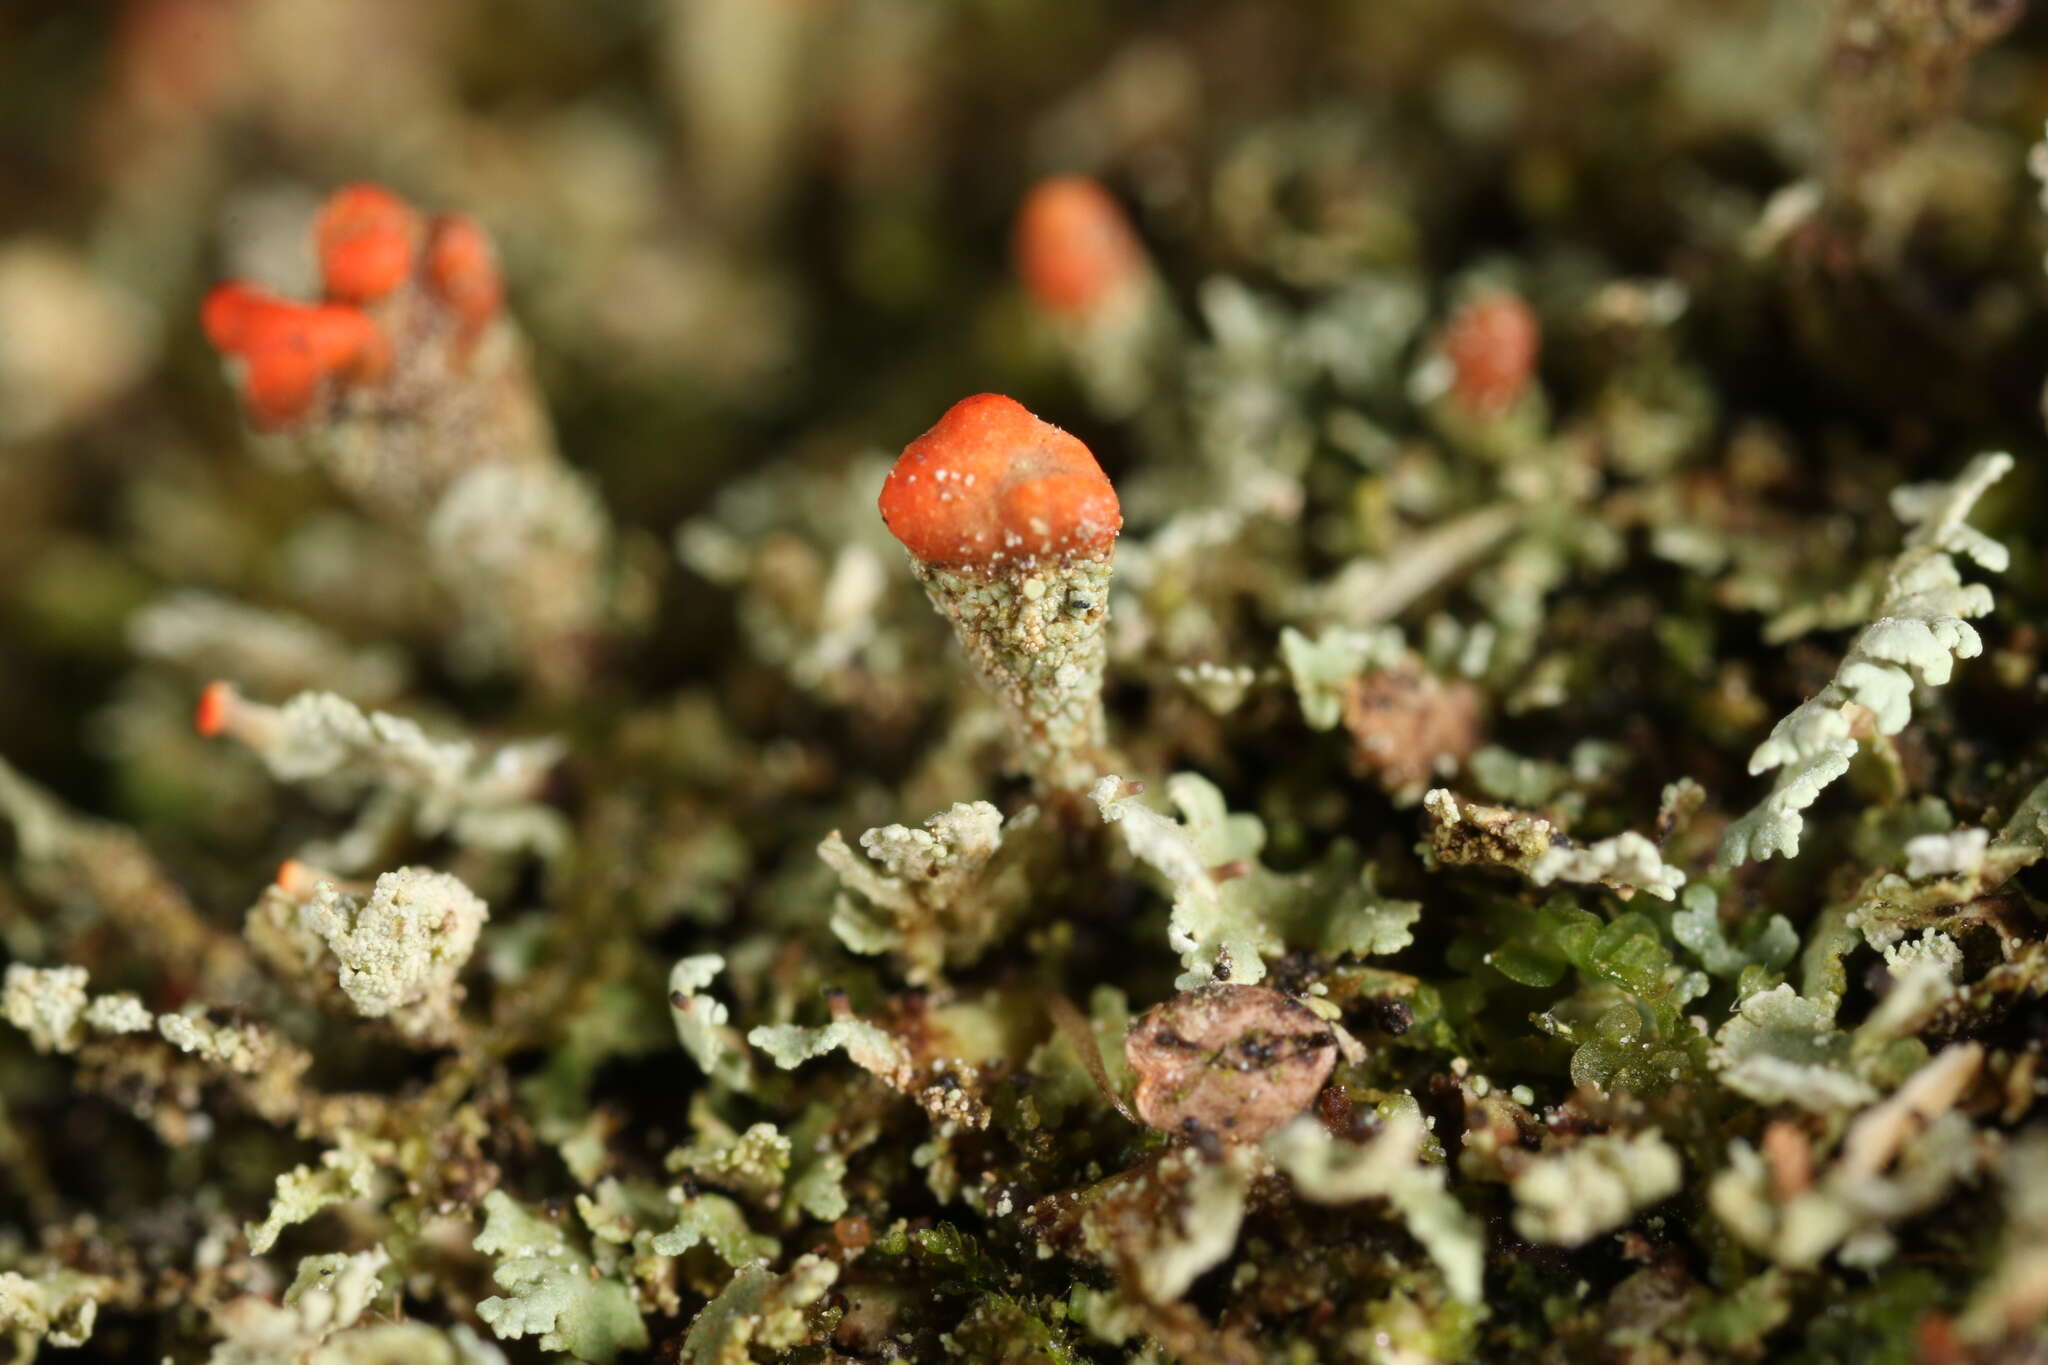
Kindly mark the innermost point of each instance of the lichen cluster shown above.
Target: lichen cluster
(738, 681)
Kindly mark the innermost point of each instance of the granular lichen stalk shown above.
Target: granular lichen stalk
(1011, 527)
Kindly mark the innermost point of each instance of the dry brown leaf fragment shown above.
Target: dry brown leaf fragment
(1408, 727)
(1232, 1060)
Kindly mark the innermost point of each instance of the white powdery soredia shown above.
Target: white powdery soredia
(1922, 626)
(400, 950)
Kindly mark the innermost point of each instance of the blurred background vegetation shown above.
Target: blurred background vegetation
(751, 230)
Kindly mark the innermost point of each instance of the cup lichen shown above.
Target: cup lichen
(1510, 832)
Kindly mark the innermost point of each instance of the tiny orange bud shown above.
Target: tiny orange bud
(364, 236)
(214, 704)
(1074, 247)
(1491, 343)
(296, 879)
(991, 485)
(300, 880)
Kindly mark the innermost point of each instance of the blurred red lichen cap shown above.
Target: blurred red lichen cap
(462, 270)
(992, 486)
(299, 880)
(279, 386)
(288, 348)
(176, 58)
(210, 718)
(230, 312)
(1491, 342)
(1075, 249)
(365, 236)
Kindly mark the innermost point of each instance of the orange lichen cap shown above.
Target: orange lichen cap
(1074, 246)
(214, 704)
(240, 319)
(288, 348)
(1492, 343)
(300, 880)
(231, 312)
(279, 386)
(296, 879)
(463, 270)
(365, 239)
(992, 486)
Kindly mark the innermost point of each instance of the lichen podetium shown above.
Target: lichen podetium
(1037, 643)
(1011, 527)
